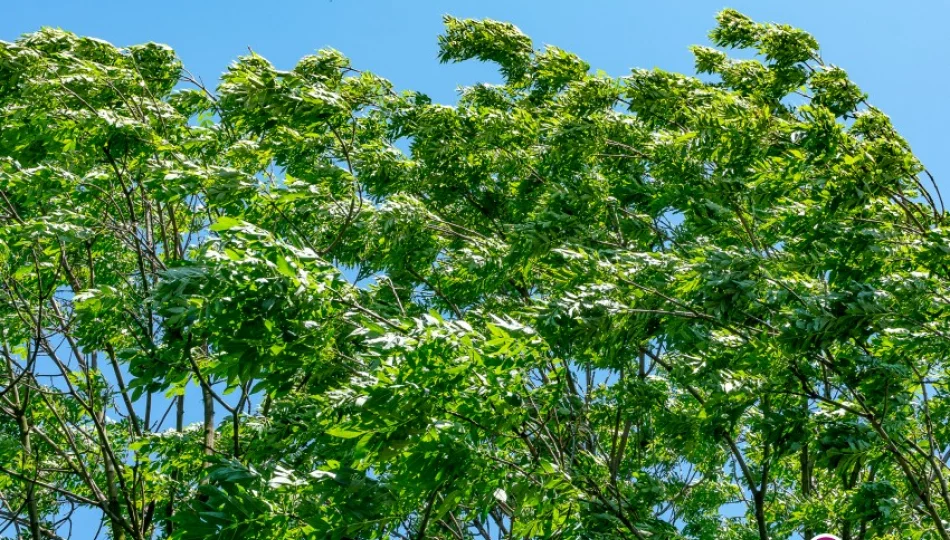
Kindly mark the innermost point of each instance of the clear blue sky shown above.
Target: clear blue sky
(899, 52)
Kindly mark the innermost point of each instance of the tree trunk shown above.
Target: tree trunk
(805, 481)
(176, 476)
(758, 497)
(208, 401)
(112, 482)
(31, 506)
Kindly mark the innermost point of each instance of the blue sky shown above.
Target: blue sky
(898, 52)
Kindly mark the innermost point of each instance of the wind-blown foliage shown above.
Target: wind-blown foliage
(569, 306)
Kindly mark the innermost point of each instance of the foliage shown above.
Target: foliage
(569, 306)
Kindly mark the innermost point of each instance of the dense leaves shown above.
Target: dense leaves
(569, 306)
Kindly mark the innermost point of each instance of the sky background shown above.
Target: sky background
(898, 52)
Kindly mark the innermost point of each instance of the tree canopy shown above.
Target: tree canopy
(570, 305)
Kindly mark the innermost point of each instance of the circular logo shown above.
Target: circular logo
(826, 537)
